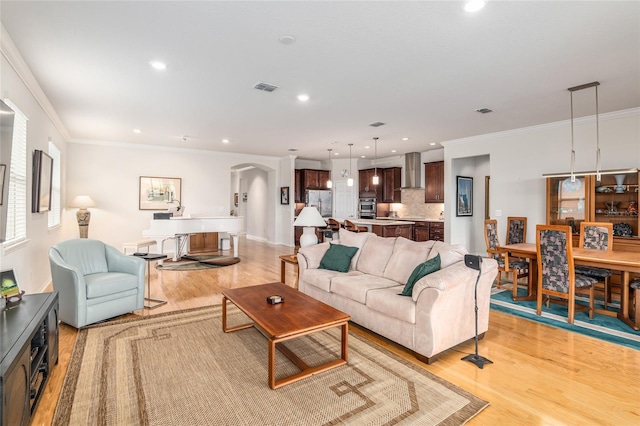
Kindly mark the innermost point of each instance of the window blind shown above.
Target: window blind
(54, 213)
(17, 202)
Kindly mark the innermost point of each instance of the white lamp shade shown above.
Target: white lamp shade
(82, 202)
(309, 216)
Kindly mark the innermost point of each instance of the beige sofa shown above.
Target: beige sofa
(440, 313)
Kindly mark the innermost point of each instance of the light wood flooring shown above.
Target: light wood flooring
(540, 375)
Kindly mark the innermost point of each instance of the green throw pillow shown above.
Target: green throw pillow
(338, 258)
(421, 270)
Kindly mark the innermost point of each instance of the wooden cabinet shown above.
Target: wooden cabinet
(309, 179)
(436, 231)
(605, 201)
(28, 353)
(421, 231)
(323, 177)
(425, 231)
(434, 182)
(405, 231)
(365, 182)
(298, 190)
(203, 242)
(391, 181)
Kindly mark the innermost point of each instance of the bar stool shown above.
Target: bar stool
(350, 226)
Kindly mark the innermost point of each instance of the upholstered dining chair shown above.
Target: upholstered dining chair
(95, 281)
(516, 230)
(350, 226)
(518, 268)
(556, 273)
(597, 236)
(635, 286)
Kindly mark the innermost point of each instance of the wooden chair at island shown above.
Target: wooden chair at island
(350, 226)
(518, 268)
(556, 272)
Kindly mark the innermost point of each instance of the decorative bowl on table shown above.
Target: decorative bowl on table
(622, 230)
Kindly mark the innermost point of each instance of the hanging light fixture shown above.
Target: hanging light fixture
(350, 180)
(573, 150)
(375, 179)
(329, 183)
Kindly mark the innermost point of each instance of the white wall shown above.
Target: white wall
(518, 159)
(30, 259)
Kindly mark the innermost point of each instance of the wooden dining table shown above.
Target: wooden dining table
(623, 261)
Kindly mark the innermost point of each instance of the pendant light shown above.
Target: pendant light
(375, 179)
(350, 180)
(329, 183)
(573, 151)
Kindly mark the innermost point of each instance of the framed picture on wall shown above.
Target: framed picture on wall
(159, 193)
(42, 181)
(284, 195)
(464, 196)
(3, 170)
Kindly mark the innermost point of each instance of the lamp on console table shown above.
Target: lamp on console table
(310, 218)
(83, 202)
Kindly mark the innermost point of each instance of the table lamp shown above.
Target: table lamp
(83, 215)
(310, 218)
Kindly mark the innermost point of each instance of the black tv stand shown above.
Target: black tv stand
(29, 350)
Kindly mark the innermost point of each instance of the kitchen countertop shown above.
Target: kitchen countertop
(382, 222)
(410, 219)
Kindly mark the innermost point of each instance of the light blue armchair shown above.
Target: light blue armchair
(95, 281)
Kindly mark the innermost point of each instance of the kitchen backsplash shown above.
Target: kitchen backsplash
(413, 205)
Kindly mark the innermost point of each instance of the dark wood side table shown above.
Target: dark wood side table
(150, 257)
(291, 259)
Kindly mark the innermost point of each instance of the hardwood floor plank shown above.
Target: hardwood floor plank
(540, 375)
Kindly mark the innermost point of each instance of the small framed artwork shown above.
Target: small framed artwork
(464, 196)
(160, 193)
(42, 181)
(284, 195)
(3, 170)
(235, 199)
(9, 289)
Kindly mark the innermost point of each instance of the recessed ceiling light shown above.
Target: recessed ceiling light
(225, 140)
(137, 131)
(433, 144)
(303, 97)
(336, 153)
(405, 139)
(367, 147)
(287, 39)
(363, 156)
(393, 150)
(158, 65)
(474, 5)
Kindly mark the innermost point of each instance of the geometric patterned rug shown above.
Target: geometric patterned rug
(198, 261)
(179, 368)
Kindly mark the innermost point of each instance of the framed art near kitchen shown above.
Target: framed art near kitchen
(284, 195)
(159, 193)
(464, 196)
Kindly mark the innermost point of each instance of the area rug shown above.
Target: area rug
(181, 369)
(196, 262)
(602, 327)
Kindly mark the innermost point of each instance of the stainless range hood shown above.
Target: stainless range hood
(412, 168)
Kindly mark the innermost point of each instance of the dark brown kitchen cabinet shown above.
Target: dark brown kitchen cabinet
(434, 182)
(365, 182)
(391, 181)
(309, 179)
(436, 231)
(405, 231)
(298, 190)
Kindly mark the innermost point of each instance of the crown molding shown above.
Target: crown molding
(11, 53)
(543, 127)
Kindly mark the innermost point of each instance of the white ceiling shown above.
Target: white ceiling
(420, 67)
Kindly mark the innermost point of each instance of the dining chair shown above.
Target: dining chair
(518, 268)
(333, 225)
(350, 226)
(635, 286)
(597, 236)
(556, 272)
(516, 230)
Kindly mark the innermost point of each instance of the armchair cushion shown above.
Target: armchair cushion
(89, 257)
(104, 284)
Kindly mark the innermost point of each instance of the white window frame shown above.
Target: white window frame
(54, 214)
(17, 201)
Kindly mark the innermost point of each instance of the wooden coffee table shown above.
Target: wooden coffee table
(297, 316)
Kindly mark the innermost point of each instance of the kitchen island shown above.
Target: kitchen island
(388, 227)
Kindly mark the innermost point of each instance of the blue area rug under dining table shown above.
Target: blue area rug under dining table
(603, 327)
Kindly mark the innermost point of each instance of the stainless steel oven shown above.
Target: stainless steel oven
(367, 208)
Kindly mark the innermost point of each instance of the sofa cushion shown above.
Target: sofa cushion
(422, 270)
(313, 254)
(388, 302)
(321, 278)
(338, 258)
(406, 256)
(375, 255)
(353, 239)
(449, 254)
(355, 287)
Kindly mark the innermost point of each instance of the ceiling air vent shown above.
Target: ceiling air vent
(265, 87)
(484, 110)
(376, 124)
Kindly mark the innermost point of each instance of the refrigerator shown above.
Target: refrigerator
(321, 199)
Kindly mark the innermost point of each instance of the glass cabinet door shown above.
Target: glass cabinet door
(567, 201)
(616, 201)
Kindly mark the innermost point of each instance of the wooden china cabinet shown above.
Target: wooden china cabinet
(614, 199)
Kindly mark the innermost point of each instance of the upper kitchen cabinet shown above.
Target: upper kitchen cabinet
(434, 182)
(365, 182)
(309, 179)
(391, 181)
